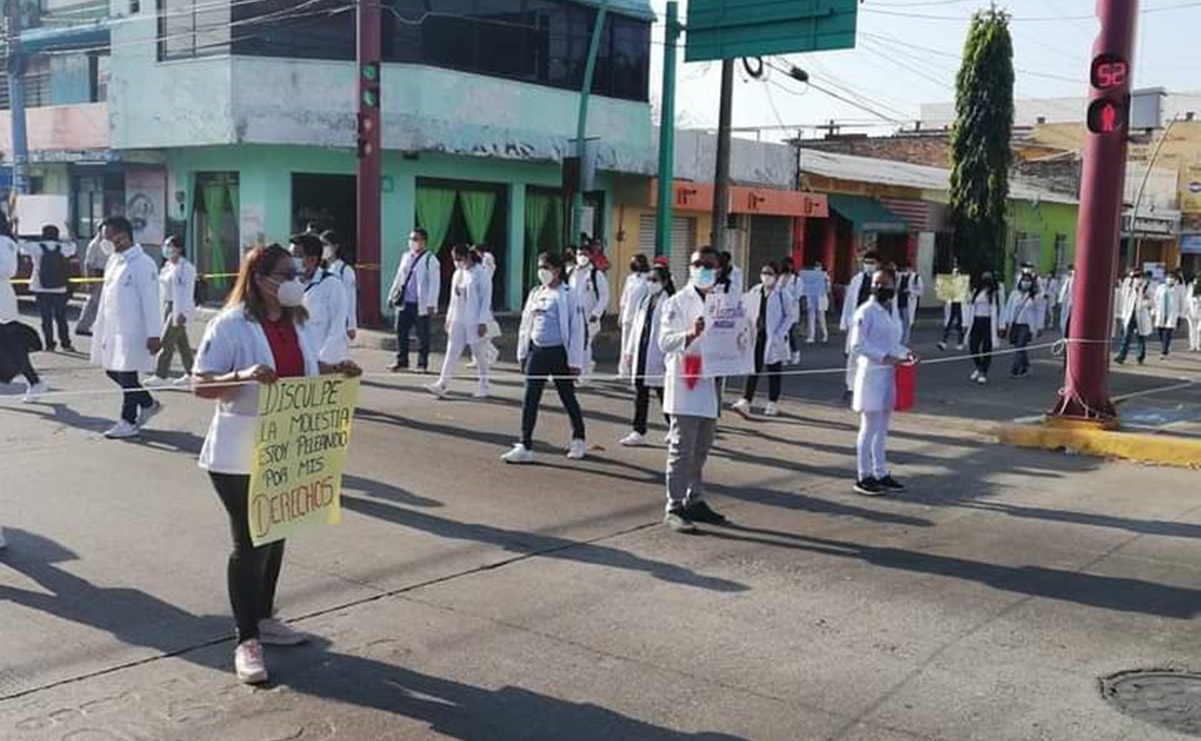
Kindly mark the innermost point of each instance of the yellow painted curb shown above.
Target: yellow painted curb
(1162, 450)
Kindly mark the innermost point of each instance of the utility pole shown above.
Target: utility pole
(667, 132)
(16, 98)
(721, 180)
(370, 159)
(581, 136)
(1085, 398)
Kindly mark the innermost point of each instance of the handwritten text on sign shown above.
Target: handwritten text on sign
(727, 343)
(299, 452)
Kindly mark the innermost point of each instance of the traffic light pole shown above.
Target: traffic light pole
(1085, 398)
(370, 160)
(721, 179)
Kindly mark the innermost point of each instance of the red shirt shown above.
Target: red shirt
(285, 347)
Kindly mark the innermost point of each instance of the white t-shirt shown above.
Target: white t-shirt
(35, 250)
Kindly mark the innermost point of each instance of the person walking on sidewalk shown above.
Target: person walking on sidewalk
(983, 314)
(632, 294)
(641, 359)
(1167, 312)
(16, 337)
(128, 326)
(876, 346)
(551, 345)
(324, 299)
(332, 254)
(1134, 314)
(1023, 318)
(258, 338)
(94, 260)
(414, 295)
(177, 286)
(769, 307)
(50, 284)
(466, 321)
(691, 397)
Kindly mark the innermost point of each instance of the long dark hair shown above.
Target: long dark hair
(987, 282)
(664, 275)
(259, 263)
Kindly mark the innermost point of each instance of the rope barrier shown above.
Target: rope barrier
(206, 276)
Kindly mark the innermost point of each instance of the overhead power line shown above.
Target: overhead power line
(1022, 19)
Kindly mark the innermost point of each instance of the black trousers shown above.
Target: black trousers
(1165, 338)
(1020, 336)
(135, 396)
(53, 309)
(775, 380)
(252, 573)
(980, 343)
(954, 324)
(642, 404)
(543, 362)
(406, 319)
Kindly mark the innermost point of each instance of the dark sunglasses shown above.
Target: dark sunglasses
(703, 264)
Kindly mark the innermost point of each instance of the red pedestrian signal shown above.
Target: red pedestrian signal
(1107, 116)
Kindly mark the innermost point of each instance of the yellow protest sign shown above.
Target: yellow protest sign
(950, 288)
(301, 438)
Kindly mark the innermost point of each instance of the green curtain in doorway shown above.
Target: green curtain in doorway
(537, 209)
(435, 206)
(556, 221)
(235, 199)
(478, 207)
(214, 193)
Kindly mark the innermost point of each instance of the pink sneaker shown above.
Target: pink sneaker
(249, 662)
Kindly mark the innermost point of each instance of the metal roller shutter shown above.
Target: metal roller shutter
(683, 242)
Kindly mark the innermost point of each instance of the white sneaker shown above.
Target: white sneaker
(275, 632)
(148, 413)
(483, 392)
(959, 347)
(33, 392)
(770, 410)
(183, 381)
(809, 341)
(122, 430)
(519, 454)
(249, 663)
(437, 389)
(941, 346)
(155, 382)
(742, 406)
(796, 358)
(975, 375)
(577, 450)
(633, 440)
(982, 379)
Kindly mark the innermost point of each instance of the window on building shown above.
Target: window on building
(193, 28)
(37, 82)
(313, 29)
(98, 73)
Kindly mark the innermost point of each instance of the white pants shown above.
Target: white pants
(816, 317)
(461, 337)
(873, 441)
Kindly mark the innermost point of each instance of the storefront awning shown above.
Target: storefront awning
(867, 214)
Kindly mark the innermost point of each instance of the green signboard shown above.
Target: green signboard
(728, 29)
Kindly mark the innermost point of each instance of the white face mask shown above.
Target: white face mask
(414, 245)
(460, 265)
(290, 293)
(768, 280)
(655, 288)
(869, 267)
(545, 277)
(328, 254)
(107, 246)
(703, 278)
(583, 260)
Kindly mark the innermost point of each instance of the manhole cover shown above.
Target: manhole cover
(1167, 699)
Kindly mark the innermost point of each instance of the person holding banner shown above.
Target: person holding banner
(769, 308)
(258, 338)
(641, 359)
(876, 348)
(953, 297)
(466, 320)
(551, 345)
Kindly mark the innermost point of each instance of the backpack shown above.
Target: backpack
(54, 270)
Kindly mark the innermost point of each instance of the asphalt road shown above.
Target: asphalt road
(461, 599)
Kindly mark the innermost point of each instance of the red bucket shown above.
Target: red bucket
(906, 387)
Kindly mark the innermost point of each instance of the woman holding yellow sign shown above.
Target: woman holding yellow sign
(257, 339)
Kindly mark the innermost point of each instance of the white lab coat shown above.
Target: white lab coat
(994, 312)
(778, 322)
(428, 280)
(34, 250)
(695, 397)
(177, 285)
(592, 301)
(1136, 304)
(916, 289)
(737, 282)
(350, 281)
(656, 362)
(470, 299)
(876, 333)
(129, 313)
(632, 294)
(849, 305)
(8, 268)
(1065, 301)
(1022, 308)
(1194, 301)
(1168, 308)
(571, 326)
(232, 341)
(325, 300)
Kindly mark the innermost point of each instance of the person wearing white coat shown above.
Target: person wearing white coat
(10, 320)
(983, 315)
(591, 288)
(876, 346)
(1066, 300)
(1167, 311)
(1193, 296)
(177, 288)
(633, 292)
(641, 359)
(1023, 320)
(859, 292)
(1135, 315)
(127, 332)
(690, 397)
(324, 299)
(550, 344)
(486, 349)
(332, 255)
(909, 295)
(769, 307)
(817, 303)
(466, 321)
(414, 294)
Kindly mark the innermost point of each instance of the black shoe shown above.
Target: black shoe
(68, 348)
(398, 367)
(888, 483)
(702, 512)
(50, 347)
(83, 333)
(870, 488)
(678, 522)
(1120, 361)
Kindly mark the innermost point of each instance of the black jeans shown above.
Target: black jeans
(543, 362)
(53, 309)
(406, 319)
(980, 344)
(135, 395)
(1165, 339)
(252, 573)
(1129, 336)
(642, 404)
(774, 378)
(1020, 336)
(954, 324)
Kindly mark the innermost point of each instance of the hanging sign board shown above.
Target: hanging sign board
(728, 29)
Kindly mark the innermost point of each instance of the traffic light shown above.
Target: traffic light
(369, 111)
(369, 85)
(1110, 112)
(366, 136)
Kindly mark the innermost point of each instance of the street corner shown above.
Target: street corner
(1179, 451)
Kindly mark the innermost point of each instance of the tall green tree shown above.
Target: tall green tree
(980, 143)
